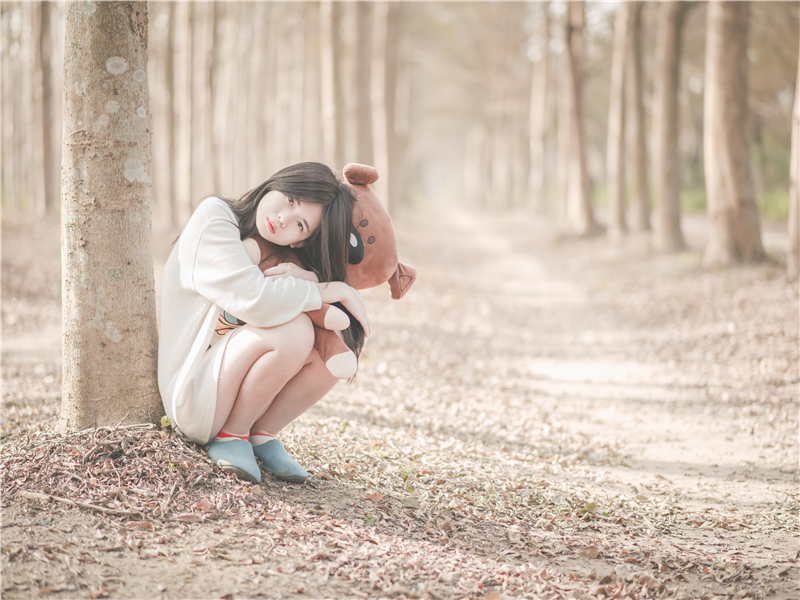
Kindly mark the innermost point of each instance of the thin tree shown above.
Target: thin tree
(172, 110)
(539, 119)
(109, 317)
(667, 234)
(793, 258)
(580, 210)
(641, 186)
(735, 228)
(332, 92)
(615, 153)
(183, 107)
(365, 152)
(43, 96)
(564, 134)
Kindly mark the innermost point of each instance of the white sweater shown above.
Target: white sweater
(208, 271)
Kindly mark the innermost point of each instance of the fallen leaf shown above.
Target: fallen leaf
(374, 497)
(189, 518)
(410, 502)
(204, 504)
(589, 552)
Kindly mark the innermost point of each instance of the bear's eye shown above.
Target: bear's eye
(356, 247)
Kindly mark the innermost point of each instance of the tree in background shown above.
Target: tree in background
(539, 122)
(580, 211)
(793, 259)
(364, 147)
(638, 134)
(667, 234)
(332, 91)
(615, 153)
(735, 227)
(108, 297)
(47, 188)
(225, 79)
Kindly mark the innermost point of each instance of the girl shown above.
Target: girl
(235, 392)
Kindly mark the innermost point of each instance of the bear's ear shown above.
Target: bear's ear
(401, 280)
(358, 174)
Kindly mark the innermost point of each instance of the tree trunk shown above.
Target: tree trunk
(735, 228)
(581, 212)
(297, 69)
(667, 235)
(172, 111)
(564, 108)
(332, 93)
(793, 260)
(213, 63)
(641, 186)
(43, 95)
(109, 314)
(312, 148)
(615, 154)
(395, 157)
(539, 121)
(363, 84)
(378, 94)
(206, 159)
(183, 109)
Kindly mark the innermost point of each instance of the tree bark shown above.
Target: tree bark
(108, 291)
(667, 235)
(332, 96)
(43, 94)
(615, 153)
(206, 154)
(297, 69)
(581, 212)
(365, 152)
(564, 108)
(183, 109)
(399, 134)
(793, 258)
(172, 111)
(735, 228)
(539, 121)
(641, 185)
(312, 138)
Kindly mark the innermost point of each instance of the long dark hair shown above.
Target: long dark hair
(326, 251)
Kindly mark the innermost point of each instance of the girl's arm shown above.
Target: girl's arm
(215, 264)
(336, 291)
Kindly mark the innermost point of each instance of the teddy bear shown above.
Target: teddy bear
(373, 260)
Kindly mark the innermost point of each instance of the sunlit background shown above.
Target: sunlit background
(440, 96)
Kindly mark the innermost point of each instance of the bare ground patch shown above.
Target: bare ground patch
(540, 417)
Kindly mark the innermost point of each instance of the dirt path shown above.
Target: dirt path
(539, 417)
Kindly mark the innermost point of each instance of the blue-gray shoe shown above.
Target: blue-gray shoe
(235, 456)
(276, 461)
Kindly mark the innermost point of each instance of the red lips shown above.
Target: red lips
(271, 225)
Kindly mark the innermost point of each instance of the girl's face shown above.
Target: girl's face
(286, 221)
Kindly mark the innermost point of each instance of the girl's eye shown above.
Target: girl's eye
(291, 201)
(300, 225)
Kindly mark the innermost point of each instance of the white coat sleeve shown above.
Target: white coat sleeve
(217, 267)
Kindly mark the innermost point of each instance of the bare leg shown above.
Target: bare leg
(301, 393)
(256, 366)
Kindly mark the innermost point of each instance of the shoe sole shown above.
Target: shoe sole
(240, 473)
(288, 479)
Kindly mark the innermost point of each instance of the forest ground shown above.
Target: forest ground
(540, 417)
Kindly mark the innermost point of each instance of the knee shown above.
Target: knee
(297, 338)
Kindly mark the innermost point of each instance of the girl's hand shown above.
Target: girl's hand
(336, 291)
(291, 270)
